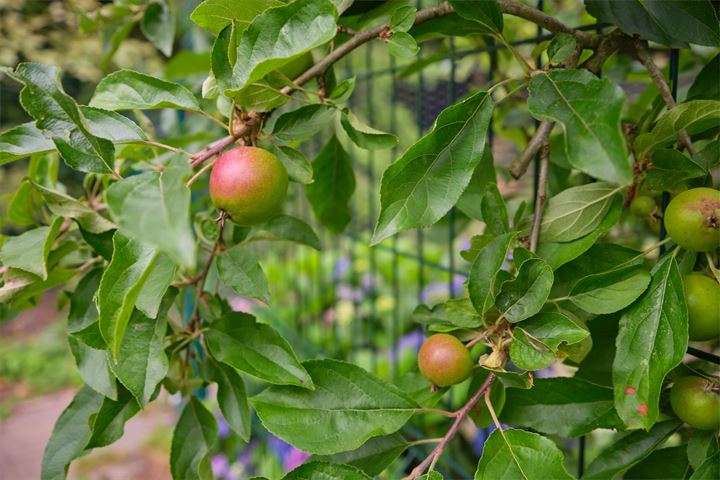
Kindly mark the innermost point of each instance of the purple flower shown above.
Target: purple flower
(220, 465)
(223, 427)
(289, 455)
(341, 266)
(412, 340)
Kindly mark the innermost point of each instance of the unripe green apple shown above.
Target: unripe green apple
(444, 360)
(692, 219)
(642, 205)
(250, 184)
(702, 295)
(696, 401)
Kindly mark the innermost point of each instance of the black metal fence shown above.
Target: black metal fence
(411, 262)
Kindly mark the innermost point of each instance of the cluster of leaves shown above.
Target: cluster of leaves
(137, 247)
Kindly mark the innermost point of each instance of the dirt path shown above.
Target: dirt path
(24, 434)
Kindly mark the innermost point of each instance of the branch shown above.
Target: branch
(609, 44)
(360, 38)
(211, 150)
(643, 54)
(540, 199)
(520, 165)
(459, 417)
(586, 39)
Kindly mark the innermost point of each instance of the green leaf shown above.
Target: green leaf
(347, 407)
(195, 434)
(154, 207)
(83, 315)
(120, 287)
(333, 187)
(557, 254)
(668, 462)
(108, 425)
(428, 179)
(480, 414)
(284, 227)
(610, 291)
(232, 398)
(23, 141)
(486, 13)
(629, 450)
(477, 243)
(297, 165)
(709, 470)
(589, 110)
(303, 122)
(451, 315)
(156, 284)
(65, 206)
(373, 456)
(238, 340)
(364, 136)
(694, 117)
(553, 329)
(238, 268)
(70, 434)
(29, 251)
(561, 47)
(484, 271)
(599, 259)
(576, 211)
(214, 15)
(470, 202)
(567, 407)
(652, 340)
(111, 125)
(519, 454)
(709, 156)
(529, 354)
(141, 362)
(402, 45)
(158, 26)
(494, 211)
(403, 18)
(343, 90)
(59, 117)
(129, 90)
(705, 85)
(93, 367)
(702, 444)
(671, 22)
(21, 209)
(524, 296)
(279, 35)
(325, 471)
(670, 167)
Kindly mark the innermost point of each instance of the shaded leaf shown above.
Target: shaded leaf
(303, 122)
(486, 13)
(652, 341)
(524, 296)
(670, 167)
(325, 471)
(158, 26)
(428, 179)
(65, 206)
(297, 165)
(238, 340)
(567, 407)
(232, 398)
(484, 271)
(364, 136)
(629, 450)
(108, 425)
(347, 407)
(610, 291)
(23, 141)
(93, 367)
(333, 187)
(284, 227)
(214, 15)
(373, 456)
(194, 436)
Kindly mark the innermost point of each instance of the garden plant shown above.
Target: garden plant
(164, 229)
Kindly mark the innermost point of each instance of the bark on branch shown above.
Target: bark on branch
(520, 165)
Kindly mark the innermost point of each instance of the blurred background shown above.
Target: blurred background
(345, 301)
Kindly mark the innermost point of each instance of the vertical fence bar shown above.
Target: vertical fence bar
(452, 96)
(674, 63)
(395, 326)
(372, 317)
